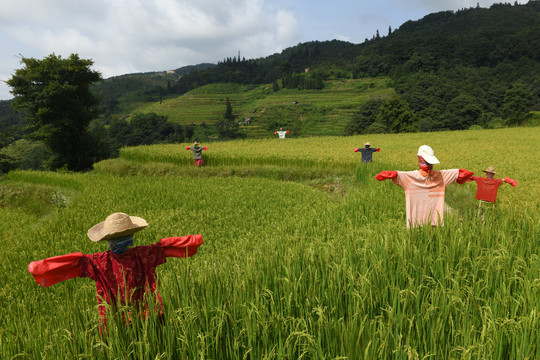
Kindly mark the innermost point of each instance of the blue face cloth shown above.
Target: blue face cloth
(121, 244)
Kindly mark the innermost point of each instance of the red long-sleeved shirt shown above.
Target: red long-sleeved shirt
(487, 188)
(121, 278)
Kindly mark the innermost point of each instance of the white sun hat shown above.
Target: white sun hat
(116, 225)
(427, 153)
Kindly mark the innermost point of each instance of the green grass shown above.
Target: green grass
(305, 254)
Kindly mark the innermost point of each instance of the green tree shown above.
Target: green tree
(517, 101)
(463, 112)
(150, 128)
(396, 115)
(227, 127)
(54, 94)
(7, 163)
(228, 110)
(365, 116)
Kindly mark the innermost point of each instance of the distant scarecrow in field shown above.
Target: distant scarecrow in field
(367, 152)
(197, 153)
(281, 133)
(124, 275)
(487, 187)
(425, 188)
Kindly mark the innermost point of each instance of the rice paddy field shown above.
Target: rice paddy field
(305, 254)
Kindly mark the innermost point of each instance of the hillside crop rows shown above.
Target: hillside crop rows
(314, 112)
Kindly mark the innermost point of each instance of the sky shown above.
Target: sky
(130, 36)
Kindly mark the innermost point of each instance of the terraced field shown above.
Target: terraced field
(313, 112)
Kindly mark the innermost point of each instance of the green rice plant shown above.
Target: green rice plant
(286, 270)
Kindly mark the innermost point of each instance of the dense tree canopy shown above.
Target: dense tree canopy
(54, 95)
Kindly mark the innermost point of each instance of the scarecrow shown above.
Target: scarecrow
(197, 153)
(425, 188)
(487, 187)
(367, 152)
(124, 275)
(281, 133)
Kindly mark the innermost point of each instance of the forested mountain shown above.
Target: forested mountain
(452, 69)
(449, 70)
(473, 37)
(487, 48)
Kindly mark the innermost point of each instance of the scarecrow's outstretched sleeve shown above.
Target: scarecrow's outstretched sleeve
(181, 246)
(383, 175)
(464, 176)
(510, 181)
(53, 270)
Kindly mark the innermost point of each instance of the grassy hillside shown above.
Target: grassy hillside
(305, 112)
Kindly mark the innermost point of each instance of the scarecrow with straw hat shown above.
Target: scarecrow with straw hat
(425, 188)
(487, 187)
(123, 274)
(197, 153)
(367, 152)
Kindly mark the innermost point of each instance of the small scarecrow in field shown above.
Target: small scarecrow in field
(487, 187)
(197, 153)
(281, 133)
(367, 152)
(425, 188)
(124, 275)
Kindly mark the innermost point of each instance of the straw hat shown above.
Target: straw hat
(368, 143)
(427, 153)
(116, 225)
(490, 170)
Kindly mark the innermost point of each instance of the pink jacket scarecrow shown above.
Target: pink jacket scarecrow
(425, 188)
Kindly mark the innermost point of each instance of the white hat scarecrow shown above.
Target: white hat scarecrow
(116, 225)
(428, 154)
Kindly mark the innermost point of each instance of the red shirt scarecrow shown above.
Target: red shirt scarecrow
(487, 187)
(425, 188)
(123, 275)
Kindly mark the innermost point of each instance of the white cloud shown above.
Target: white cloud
(287, 28)
(124, 36)
(342, 37)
